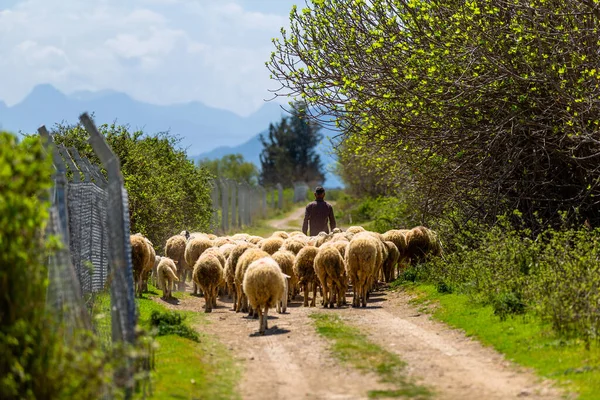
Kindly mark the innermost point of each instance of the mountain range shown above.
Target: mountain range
(205, 132)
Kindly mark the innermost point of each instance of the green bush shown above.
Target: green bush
(35, 360)
(172, 323)
(378, 214)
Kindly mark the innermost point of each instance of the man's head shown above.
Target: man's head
(319, 192)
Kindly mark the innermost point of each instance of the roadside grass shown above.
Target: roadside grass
(353, 348)
(526, 339)
(183, 368)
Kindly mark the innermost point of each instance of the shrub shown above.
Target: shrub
(36, 362)
(172, 323)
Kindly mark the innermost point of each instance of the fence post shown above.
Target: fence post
(122, 294)
(234, 210)
(280, 199)
(214, 195)
(263, 195)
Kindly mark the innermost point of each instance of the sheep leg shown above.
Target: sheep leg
(214, 297)
(314, 299)
(260, 322)
(207, 301)
(325, 294)
(266, 318)
(305, 290)
(235, 297)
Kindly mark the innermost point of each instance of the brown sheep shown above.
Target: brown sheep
(305, 271)
(264, 285)
(330, 269)
(293, 244)
(271, 245)
(141, 259)
(244, 261)
(175, 250)
(194, 249)
(390, 261)
(281, 234)
(421, 242)
(208, 274)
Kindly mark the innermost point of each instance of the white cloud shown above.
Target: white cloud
(162, 51)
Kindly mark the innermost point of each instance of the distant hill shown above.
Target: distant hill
(206, 132)
(202, 128)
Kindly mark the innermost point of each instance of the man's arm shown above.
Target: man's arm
(306, 218)
(331, 218)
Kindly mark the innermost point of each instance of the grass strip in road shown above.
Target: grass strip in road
(526, 340)
(353, 348)
(183, 368)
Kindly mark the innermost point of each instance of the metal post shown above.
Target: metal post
(234, 210)
(280, 191)
(224, 205)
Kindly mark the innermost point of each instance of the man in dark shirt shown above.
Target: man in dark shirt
(317, 214)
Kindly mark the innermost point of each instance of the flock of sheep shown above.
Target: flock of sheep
(262, 273)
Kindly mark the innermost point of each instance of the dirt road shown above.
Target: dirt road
(293, 362)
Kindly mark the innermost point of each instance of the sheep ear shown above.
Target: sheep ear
(176, 262)
(285, 276)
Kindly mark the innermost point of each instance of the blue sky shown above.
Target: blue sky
(158, 51)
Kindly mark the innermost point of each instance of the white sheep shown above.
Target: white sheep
(264, 284)
(166, 272)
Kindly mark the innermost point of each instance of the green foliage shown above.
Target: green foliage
(171, 323)
(354, 348)
(482, 107)
(232, 166)
(379, 214)
(554, 274)
(167, 192)
(289, 153)
(36, 362)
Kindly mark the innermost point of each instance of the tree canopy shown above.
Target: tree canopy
(482, 106)
(232, 166)
(289, 152)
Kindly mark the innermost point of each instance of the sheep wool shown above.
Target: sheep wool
(167, 276)
(175, 250)
(390, 261)
(285, 259)
(243, 263)
(361, 262)
(207, 274)
(264, 285)
(305, 271)
(272, 244)
(293, 244)
(140, 258)
(230, 267)
(330, 269)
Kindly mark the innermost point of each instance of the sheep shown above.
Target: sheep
(154, 274)
(226, 249)
(220, 241)
(264, 284)
(207, 274)
(241, 236)
(361, 262)
(336, 230)
(215, 251)
(342, 246)
(305, 271)
(322, 238)
(293, 244)
(285, 260)
(390, 261)
(230, 267)
(175, 250)
(167, 275)
(296, 233)
(194, 249)
(243, 263)
(398, 237)
(355, 229)
(141, 259)
(330, 269)
(255, 239)
(271, 245)
(281, 234)
(421, 241)
(150, 265)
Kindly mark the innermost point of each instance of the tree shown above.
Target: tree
(289, 154)
(482, 106)
(232, 166)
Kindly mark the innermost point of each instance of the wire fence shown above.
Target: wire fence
(96, 252)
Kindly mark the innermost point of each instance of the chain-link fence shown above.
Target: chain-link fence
(96, 254)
